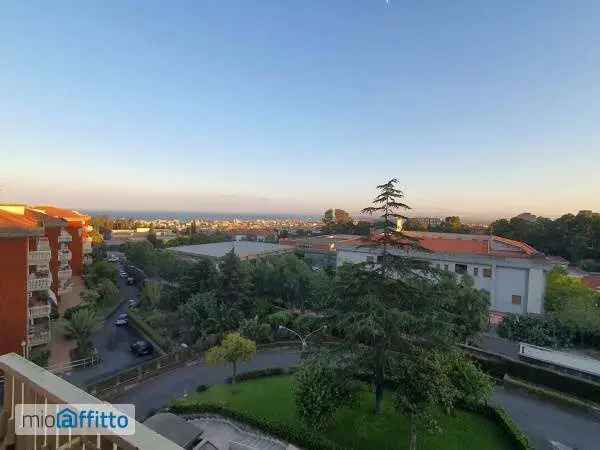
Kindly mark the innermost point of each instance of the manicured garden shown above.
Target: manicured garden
(272, 399)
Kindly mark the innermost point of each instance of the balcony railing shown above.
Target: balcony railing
(38, 338)
(65, 289)
(39, 257)
(65, 274)
(87, 247)
(65, 256)
(64, 237)
(87, 260)
(37, 312)
(39, 282)
(43, 244)
(28, 383)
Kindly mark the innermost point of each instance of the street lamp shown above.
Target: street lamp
(303, 340)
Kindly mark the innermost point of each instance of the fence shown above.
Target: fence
(119, 383)
(77, 364)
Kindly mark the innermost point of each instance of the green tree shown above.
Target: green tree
(101, 270)
(320, 391)
(233, 349)
(81, 326)
(430, 382)
(108, 292)
(151, 294)
(234, 284)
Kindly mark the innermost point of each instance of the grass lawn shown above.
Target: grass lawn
(272, 398)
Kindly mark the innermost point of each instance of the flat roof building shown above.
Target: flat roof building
(245, 250)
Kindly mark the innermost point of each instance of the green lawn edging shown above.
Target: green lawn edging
(312, 441)
(294, 435)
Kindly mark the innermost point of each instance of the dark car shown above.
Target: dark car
(132, 303)
(122, 320)
(141, 348)
(130, 281)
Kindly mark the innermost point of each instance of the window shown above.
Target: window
(370, 259)
(460, 268)
(445, 266)
(379, 259)
(475, 271)
(516, 299)
(487, 273)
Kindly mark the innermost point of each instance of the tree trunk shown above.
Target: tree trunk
(379, 380)
(234, 372)
(412, 434)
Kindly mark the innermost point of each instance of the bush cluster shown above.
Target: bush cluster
(261, 373)
(545, 331)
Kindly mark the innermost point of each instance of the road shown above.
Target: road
(158, 392)
(544, 421)
(113, 343)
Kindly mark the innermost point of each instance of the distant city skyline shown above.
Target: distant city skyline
(481, 110)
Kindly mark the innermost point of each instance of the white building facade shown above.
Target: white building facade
(513, 273)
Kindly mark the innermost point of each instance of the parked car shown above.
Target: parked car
(141, 348)
(132, 303)
(123, 275)
(122, 320)
(130, 281)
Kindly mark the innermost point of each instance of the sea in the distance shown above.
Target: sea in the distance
(187, 215)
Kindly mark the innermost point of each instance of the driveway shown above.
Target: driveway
(544, 420)
(158, 392)
(113, 344)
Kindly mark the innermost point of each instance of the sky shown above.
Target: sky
(481, 109)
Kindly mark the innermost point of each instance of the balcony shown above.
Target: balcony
(39, 312)
(87, 248)
(64, 256)
(87, 260)
(28, 383)
(39, 282)
(64, 237)
(43, 244)
(39, 257)
(65, 274)
(38, 336)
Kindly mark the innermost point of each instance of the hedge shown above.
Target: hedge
(298, 436)
(146, 330)
(497, 366)
(505, 421)
(261, 373)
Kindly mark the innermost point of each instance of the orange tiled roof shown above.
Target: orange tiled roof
(592, 281)
(454, 246)
(62, 213)
(18, 223)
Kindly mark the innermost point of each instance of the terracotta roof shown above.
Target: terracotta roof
(592, 281)
(454, 246)
(18, 225)
(61, 213)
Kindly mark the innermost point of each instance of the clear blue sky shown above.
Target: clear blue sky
(479, 108)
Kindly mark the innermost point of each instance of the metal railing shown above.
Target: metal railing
(65, 256)
(39, 283)
(87, 260)
(38, 338)
(36, 312)
(64, 237)
(39, 257)
(65, 274)
(43, 244)
(90, 361)
(87, 247)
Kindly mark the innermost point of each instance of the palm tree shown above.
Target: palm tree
(81, 326)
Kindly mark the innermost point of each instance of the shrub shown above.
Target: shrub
(261, 373)
(545, 331)
(69, 312)
(40, 357)
(280, 318)
(259, 332)
(202, 388)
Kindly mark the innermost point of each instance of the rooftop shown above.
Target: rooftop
(16, 225)
(175, 429)
(474, 244)
(243, 249)
(66, 214)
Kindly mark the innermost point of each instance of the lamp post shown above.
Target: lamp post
(303, 340)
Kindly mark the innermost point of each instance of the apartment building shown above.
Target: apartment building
(512, 272)
(38, 256)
